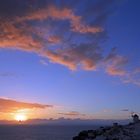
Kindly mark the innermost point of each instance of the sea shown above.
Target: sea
(40, 132)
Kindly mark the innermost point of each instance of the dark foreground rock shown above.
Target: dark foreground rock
(115, 132)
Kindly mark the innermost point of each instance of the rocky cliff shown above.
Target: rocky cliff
(115, 132)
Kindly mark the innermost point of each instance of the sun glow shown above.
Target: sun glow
(20, 117)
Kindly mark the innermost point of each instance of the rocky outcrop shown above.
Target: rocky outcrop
(115, 132)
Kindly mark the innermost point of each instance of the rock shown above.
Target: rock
(76, 138)
(115, 132)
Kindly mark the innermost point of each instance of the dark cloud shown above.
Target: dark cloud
(125, 110)
(9, 105)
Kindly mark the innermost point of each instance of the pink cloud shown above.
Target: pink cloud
(61, 14)
(116, 65)
(60, 59)
(9, 105)
(137, 70)
(113, 70)
(54, 39)
(76, 57)
(18, 38)
(133, 77)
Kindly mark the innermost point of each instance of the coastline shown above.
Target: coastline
(130, 131)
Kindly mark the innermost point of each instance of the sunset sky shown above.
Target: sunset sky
(69, 58)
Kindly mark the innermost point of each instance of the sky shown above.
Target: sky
(71, 59)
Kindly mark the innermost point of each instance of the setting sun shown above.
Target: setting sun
(20, 117)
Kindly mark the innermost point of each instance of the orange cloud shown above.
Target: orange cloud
(9, 105)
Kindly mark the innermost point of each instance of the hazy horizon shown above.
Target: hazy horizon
(66, 121)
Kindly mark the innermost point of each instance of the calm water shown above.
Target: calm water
(40, 132)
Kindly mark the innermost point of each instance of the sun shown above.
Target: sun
(20, 117)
